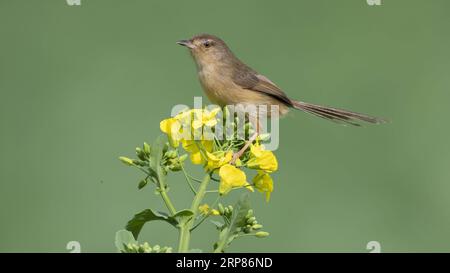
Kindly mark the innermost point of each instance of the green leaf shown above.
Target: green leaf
(135, 225)
(238, 218)
(183, 213)
(123, 238)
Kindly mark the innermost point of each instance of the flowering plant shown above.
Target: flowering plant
(195, 134)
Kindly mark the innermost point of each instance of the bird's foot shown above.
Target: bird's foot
(237, 155)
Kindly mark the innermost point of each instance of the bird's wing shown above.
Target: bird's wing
(249, 79)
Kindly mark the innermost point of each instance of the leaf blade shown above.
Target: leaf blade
(140, 219)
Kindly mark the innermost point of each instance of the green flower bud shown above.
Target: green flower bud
(230, 208)
(175, 167)
(183, 157)
(126, 161)
(249, 213)
(261, 234)
(146, 148)
(139, 163)
(156, 248)
(257, 226)
(142, 184)
(221, 209)
(226, 112)
(166, 250)
(140, 154)
(171, 154)
(145, 248)
(166, 147)
(251, 220)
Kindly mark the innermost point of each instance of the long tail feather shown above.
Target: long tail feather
(335, 114)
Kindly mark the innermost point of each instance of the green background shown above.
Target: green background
(82, 85)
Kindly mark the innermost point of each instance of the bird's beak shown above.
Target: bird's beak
(186, 43)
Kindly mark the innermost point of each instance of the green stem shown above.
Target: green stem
(168, 203)
(163, 192)
(188, 179)
(222, 243)
(186, 225)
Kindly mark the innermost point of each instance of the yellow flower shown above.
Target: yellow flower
(215, 212)
(205, 117)
(262, 159)
(217, 159)
(193, 148)
(172, 127)
(232, 177)
(263, 183)
(204, 209)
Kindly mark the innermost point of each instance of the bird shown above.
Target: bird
(226, 80)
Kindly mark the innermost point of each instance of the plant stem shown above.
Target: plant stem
(221, 244)
(168, 203)
(186, 225)
(188, 179)
(163, 192)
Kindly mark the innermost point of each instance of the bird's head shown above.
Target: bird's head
(207, 49)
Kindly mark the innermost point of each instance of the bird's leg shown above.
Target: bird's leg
(237, 155)
(243, 149)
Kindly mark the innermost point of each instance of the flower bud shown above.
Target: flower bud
(142, 184)
(156, 248)
(171, 154)
(221, 209)
(251, 220)
(146, 248)
(146, 148)
(140, 163)
(165, 148)
(166, 250)
(140, 154)
(175, 167)
(261, 234)
(126, 161)
(249, 213)
(215, 212)
(230, 208)
(257, 226)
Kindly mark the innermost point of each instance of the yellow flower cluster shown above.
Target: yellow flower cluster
(215, 158)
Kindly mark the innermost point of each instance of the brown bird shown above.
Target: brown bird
(228, 81)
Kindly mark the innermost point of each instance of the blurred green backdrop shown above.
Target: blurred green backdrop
(82, 85)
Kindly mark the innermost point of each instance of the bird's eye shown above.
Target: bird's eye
(207, 43)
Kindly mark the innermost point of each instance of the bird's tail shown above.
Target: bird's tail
(335, 114)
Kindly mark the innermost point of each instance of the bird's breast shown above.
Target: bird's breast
(216, 83)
